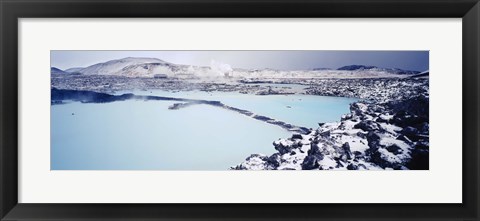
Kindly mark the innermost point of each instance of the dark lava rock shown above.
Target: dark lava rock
(314, 149)
(377, 108)
(358, 154)
(373, 140)
(409, 131)
(339, 164)
(367, 125)
(405, 139)
(356, 108)
(361, 135)
(422, 145)
(346, 149)
(372, 153)
(362, 166)
(342, 158)
(274, 160)
(416, 105)
(381, 119)
(325, 133)
(305, 130)
(352, 167)
(87, 96)
(423, 128)
(297, 136)
(395, 149)
(376, 158)
(314, 156)
(285, 149)
(405, 119)
(262, 118)
(311, 162)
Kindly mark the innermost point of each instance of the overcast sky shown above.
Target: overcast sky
(282, 60)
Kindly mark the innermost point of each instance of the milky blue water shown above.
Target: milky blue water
(296, 109)
(146, 135)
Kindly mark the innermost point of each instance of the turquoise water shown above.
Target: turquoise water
(297, 109)
(146, 135)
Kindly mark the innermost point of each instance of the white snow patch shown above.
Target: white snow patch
(390, 128)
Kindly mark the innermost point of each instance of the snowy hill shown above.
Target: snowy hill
(321, 69)
(73, 70)
(54, 70)
(125, 67)
(423, 74)
(357, 67)
(148, 70)
(149, 67)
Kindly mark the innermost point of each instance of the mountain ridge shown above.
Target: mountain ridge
(149, 67)
(54, 70)
(356, 67)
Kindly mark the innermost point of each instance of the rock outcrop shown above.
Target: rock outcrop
(387, 129)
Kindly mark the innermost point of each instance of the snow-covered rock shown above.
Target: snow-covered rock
(388, 129)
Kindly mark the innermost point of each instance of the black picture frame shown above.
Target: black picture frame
(12, 10)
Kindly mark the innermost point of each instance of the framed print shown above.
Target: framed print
(230, 111)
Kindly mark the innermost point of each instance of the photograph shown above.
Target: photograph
(219, 110)
(222, 110)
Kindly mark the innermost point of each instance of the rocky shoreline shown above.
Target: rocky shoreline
(387, 129)
(111, 84)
